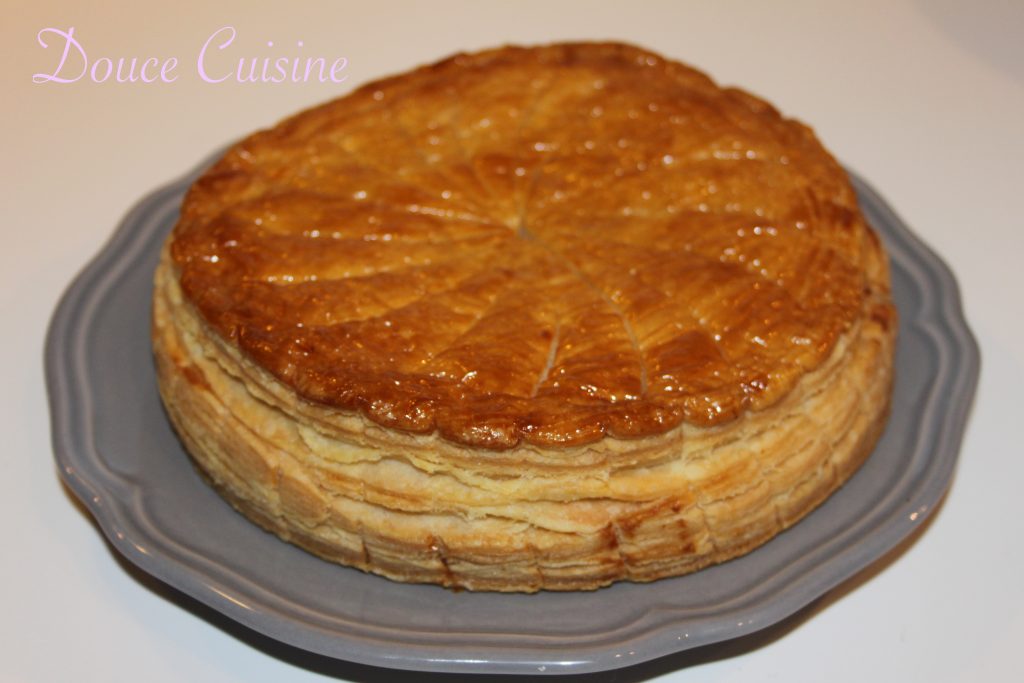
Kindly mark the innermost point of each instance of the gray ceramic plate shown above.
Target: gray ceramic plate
(117, 452)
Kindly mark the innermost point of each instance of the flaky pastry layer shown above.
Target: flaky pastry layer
(534, 318)
(422, 509)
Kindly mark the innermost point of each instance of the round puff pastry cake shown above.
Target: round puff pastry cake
(531, 318)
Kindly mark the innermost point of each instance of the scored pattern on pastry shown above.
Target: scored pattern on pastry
(542, 245)
(532, 318)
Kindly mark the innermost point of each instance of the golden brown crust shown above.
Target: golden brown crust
(548, 244)
(664, 340)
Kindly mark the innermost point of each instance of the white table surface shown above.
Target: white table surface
(924, 99)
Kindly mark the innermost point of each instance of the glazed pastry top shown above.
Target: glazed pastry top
(541, 245)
